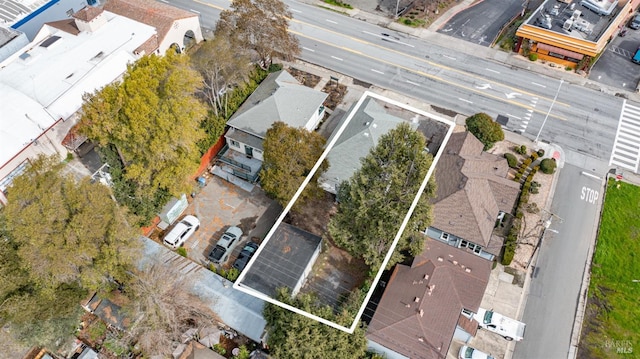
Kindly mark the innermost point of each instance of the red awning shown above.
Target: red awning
(563, 52)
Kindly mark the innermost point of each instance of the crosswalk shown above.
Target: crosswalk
(626, 147)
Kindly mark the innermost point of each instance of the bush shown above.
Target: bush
(485, 129)
(97, 330)
(511, 160)
(533, 56)
(534, 156)
(182, 251)
(519, 215)
(517, 177)
(507, 257)
(548, 165)
(522, 150)
(274, 67)
(219, 349)
(540, 152)
(527, 162)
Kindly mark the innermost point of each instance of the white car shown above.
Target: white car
(467, 352)
(222, 250)
(182, 231)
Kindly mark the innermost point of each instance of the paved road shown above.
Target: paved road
(555, 286)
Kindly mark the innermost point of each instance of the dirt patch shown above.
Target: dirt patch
(305, 78)
(314, 215)
(336, 93)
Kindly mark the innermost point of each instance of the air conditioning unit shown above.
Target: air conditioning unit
(567, 24)
(576, 14)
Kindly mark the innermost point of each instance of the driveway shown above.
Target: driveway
(220, 205)
(481, 23)
(614, 68)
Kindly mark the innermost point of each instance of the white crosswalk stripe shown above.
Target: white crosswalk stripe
(626, 147)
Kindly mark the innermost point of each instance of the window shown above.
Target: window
(235, 143)
(444, 236)
(463, 244)
(467, 313)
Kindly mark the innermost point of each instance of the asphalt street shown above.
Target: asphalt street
(555, 284)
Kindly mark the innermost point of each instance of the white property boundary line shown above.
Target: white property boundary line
(238, 284)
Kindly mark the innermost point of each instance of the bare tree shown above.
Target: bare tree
(261, 26)
(163, 308)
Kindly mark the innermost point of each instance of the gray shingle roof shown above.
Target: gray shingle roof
(420, 308)
(471, 189)
(359, 136)
(280, 97)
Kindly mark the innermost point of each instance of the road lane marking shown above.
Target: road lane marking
(308, 49)
(467, 101)
(590, 175)
(512, 116)
(331, 21)
(435, 64)
(413, 83)
(626, 145)
(449, 57)
(378, 72)
(387, 38)
(540, 85)
(196, 11)
(209, 5)
(294, 10)
(494, 71)
(337, 58)
(427, 75)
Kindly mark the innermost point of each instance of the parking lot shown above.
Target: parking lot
(614, 68)
(219, 205)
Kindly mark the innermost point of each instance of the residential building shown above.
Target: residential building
(41, 85)
(280, 97)
(429, 303)
(571, 32)
(473, 193)
(285, 261)
(11, 41)
(28, 16)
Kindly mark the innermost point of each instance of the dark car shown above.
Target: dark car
(245, 255)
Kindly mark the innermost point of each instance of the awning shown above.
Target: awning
(558, 50)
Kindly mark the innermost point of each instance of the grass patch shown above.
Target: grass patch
(412, 22)
(613, 314)
(338, 3)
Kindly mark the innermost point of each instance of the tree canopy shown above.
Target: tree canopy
(485, 129)
(152, 118)
(295, 336)
(375, 200)
(289, 155)
(260, 26)
(60, 238)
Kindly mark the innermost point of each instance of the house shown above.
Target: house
(28, 17)
(41, 85)
(110, 313)
(568, 33)
(429, 303)
(11, 41)
(473, 192)
(285, 260)
(175, 28)
(280, 97)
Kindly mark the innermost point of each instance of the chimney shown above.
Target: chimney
(468, 270)
(421, 340)
(440, 259)
(407, 305)
(416, 299)
(426, 276)
(455, 263)
(421, 312)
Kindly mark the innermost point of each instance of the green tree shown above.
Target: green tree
(485, 129)
(289, 155)
(295, 336)
(261, 27)
(65, 231)
(377, 197)
(152, 119)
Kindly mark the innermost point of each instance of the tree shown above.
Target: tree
(375, 200)
(164, 309)
(65, 231)
(261, 27)
(485, 129)
(289, 155)
(152, 118)
(295, 336)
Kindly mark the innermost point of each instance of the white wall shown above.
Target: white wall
(177, 32)
(314, 121)
(241, 147)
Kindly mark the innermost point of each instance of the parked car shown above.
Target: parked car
(634, 23)
(472, 353)
(636, 57)
(245, 255)
(182, 231)
(229, 240)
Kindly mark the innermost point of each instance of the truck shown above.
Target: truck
(508, 328)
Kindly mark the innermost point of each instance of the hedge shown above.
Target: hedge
(511, 160)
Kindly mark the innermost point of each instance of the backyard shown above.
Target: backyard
(612, 318)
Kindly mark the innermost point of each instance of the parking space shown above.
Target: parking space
(220, 205)
(614, 68)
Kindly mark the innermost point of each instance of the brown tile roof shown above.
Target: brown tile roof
(66, 25)
(421, 305)
(88, 13)
(148, 47)
(469, 325)
(471, 189)
(150, 12)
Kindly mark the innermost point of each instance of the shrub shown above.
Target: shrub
(530, 177)
(534, 156)
(182, 251)
(540, 152)
(275, 67)
(97, 330)
(533, 56)
(522, 150)
(232, 274)
(485, 129)
(517, 177)
(534, 190)
(548, 165)
(519, 215)
(536, 168)
(524, 197)
(219, 349)
(507, 257)
(527, 162)
(511, 160)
